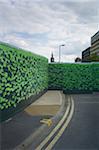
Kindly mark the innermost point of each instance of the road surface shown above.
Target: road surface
(25, 123)
(83, 130)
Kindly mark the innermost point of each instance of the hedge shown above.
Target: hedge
(96, 76)
(55, 72)
(77, 77)
(22, 75)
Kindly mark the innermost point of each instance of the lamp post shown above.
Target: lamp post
(60, 51)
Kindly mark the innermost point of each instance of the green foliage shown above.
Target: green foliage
(22, 74)
(55, 72)
(94, 57)
(74, 76)
(96, 76)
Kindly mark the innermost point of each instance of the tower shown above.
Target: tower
(52, 58)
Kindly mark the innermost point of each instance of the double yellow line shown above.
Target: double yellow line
(61, 126)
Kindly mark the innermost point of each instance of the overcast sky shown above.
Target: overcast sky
(41, 26)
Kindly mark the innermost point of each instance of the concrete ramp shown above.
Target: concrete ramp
(48, 104)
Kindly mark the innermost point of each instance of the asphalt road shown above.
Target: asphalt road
(18, 129)
(23, 124)
(82, 132)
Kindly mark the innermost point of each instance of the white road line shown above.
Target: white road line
(56, 138)
(55, 129)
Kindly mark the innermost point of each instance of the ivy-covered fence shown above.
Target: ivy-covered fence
(74, 78)
(23, 77)
(95, 67)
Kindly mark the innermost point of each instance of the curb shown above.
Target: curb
(43, 131)
(62, 129)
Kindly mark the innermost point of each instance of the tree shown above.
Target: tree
(78, 59)
(94, 57)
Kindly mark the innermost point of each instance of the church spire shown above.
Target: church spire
(52, 57)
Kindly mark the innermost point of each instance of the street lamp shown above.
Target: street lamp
(60, 51)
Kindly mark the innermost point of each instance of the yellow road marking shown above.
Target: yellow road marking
(46, 121)
(56, 138)
(55, 129)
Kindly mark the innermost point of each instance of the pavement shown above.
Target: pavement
(83, 130)
(48, 104)
(15, 130)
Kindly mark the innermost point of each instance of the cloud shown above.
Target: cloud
(41, 27)
(87, 11)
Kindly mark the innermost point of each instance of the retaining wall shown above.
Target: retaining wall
(74, 77)
(23, 76)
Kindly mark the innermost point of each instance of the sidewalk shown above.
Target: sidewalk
(16, 130)
(48, 104)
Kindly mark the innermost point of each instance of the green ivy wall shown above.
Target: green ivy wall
(25, 76)
(22, 75)
(95, 67)
(74, 77)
